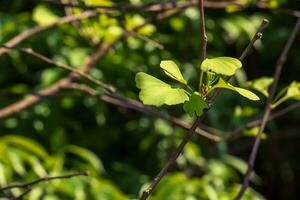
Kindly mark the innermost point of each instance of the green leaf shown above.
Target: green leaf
(245, 93)
(292, 92)
(252, 132)
(261, 84)
(221, 65)
(172, 70)
(195, 105)
(43, 15)
(156, 92)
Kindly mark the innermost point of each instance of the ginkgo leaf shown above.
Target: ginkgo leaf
(245, 93)
(291, 92)
(195, 105)
(172, 70)
(221, 65)
(261, 84)
(156, 92)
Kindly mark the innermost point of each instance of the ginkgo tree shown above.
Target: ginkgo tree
(214, 74)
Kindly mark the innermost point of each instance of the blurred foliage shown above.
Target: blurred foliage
(124, 149)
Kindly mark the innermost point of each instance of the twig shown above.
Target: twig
(171, 160)
(146, 39)
(20, 197)
(154, 7)
(29, 51)
(33, 31)
(258, 35)
(138, 106)
(267, 110)
(28, 186)
(88, 63)
(233, 134)
(190, 132)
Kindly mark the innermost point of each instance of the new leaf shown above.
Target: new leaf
(195, 105)
(221, 65)
(156, 92)
(245, 93)
(172, 70)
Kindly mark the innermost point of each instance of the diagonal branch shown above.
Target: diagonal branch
(29, 51)
(190, 132)
(138, 106)
(267, 110)
(86, 66)
(33, 31)
(28, 186)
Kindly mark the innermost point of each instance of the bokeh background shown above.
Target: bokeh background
(124, 149)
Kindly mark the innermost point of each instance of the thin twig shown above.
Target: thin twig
(236, 132)
(190, 132)
(88, 63)
(30, 51)
(20, 197)
(138, 106)
(33, 31)
(267, 110)
(44, 179)
(146, 39)
(258, 35)
(154, 7)
(171, 160)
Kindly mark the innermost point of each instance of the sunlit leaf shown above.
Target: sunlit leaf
(156, 92)
(245, 93)
(3, 180)
(43, 15)
(290, 92)
(172, 70)
(221, 65)
(195, 105)
(261, 84)
(252, 132)
(26, 144)
(16, 162)
(38, 167)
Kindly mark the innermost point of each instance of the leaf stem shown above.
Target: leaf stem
(200, 82)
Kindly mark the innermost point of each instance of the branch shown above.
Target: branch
(158, 7)
(88, 63)
(33, 31)
(28, 186)
(29, 51)
(250, 124)
(190, 132)
(267, 110)
(138, 106)
(258, 35)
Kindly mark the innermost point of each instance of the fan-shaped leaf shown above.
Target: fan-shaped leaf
(221, 65)
(172, 70)
(195, 105)
(156, 92)
(245, 93)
